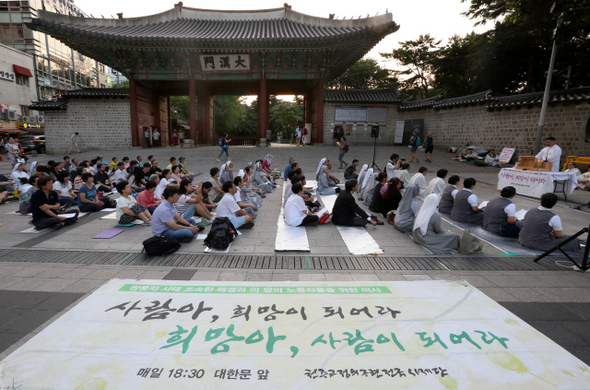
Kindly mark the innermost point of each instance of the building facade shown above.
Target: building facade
(57, 68)
(17, 92)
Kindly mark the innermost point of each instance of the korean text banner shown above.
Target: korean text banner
(151, 334)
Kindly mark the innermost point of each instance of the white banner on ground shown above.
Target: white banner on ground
(160, 334)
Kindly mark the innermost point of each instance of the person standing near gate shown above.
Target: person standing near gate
(146, 135)
(156, 135)
(74, 142)
(298, 133)
(223, 142)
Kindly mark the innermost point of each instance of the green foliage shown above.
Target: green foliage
(417, 58)
(285, 115)
(364, 74)
(180, 108)
(229, 114)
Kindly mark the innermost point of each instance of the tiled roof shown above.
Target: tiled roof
(419, 104)
(390, 95)
(49, 105)
(576, 95)
(476, 98)
(97, 93)
(182, 26)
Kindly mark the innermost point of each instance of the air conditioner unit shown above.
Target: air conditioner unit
(12, 116)
(33, 119)
(40, 119)
(24, 118)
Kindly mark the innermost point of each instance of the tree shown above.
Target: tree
(364, 74)
(285, 115)
(229, 114)
(180, 108)
(417, 56)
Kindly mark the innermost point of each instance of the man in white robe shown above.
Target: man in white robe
(551, 152)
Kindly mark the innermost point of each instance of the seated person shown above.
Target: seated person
(499, 216)
(289, 166)
(296, 212)
(45, 206)
(346, 211)
(404, 174)
(249, 207)
(324, 187)
(350, 171)
(393, 166)
(381, 180)
(492, 159)
(229, 208)
(128, 210)
(428, 231)
(437, 185)
(190, 201)
(247, 191)
(226, 173)
(146, 197)
(172, 163)
(583, 178)
(205, 188)
(156, 169)
(184, 170)
(331, 178)
(88, 200)
(267, 169)
(419, 179)
(135, 180)
(407, 210)
(542, 229)
(120, 175)
(259, 181)
(78, 182)
(145, 174)
(102, 180)
(166, 222)
(177, 175)
(64, 190)
(465, 207)
(27, 189)
(215, 191)
(164, 183)
(6, 187)
(391, 197)
(447, 199)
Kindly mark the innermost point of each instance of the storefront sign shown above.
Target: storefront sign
(16, 109)
(5, 75)
(225, 62)
(150, 334)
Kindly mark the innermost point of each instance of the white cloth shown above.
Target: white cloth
(227, 207)
(62, 190)
(238, 196)
(288, 192)
(551, 154)
(120, 175)
(428, 208)
(160, 188)
(493, 160)
(362, 174)
(510, 210)
(16, 175)
(33, 166)
(436, 186)
(295, 210)
(317, 172)
(124, 202)
(404, 176)
(390, 170)
(575, 171)
(418, 180)
(222, 169)
(472, 199)
(366, 179)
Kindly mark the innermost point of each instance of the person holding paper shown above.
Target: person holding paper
(551, 153)
(296, 212)
(45, 207)
(499, 216)
(543, 230)
(466, 208)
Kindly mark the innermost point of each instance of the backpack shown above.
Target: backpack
(418, 141)
(160, 246)
(220, 143)
(222, 233)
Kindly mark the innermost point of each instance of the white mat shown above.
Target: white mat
(32, 230)
(357, 239)
(290, 238)
(110, 216)
(211, 250)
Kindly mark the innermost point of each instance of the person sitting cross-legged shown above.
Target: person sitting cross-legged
(166, 222)
(466, 208)
(350, 172)
(346, 211)
(499, 216)
(427, 230)
(45, 206)
(146, 197)
(296, 212)
(249, 207)
(229, 208)
(128, 210)
(88, 200)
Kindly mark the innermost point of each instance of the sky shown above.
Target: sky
(440, 18)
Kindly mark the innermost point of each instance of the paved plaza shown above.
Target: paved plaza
(43, 275)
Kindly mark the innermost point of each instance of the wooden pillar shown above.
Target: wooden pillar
(135, 137)
(263, 110)
(318, 136)
(192, 110)
(203, 118)
(157, 123)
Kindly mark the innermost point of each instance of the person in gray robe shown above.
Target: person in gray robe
(407, 210)
(542, 228)
(370, 187)
(247, 192)
(428, 231)
(226, 174)
(324, 187)
(257, 181)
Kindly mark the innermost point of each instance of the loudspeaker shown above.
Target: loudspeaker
(374, 131)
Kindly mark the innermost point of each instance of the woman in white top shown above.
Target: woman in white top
(64, 190)
(18, 172)
(296, 212)
(128, 210)
(404, 174)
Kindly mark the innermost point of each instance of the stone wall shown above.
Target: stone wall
(507, 128)
(361, 133)
(102, 124)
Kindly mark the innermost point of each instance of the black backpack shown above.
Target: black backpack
(222, 233)
(160, 246)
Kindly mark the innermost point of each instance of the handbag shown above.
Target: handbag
(470, 243)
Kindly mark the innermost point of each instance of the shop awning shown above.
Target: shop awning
(22, 70)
